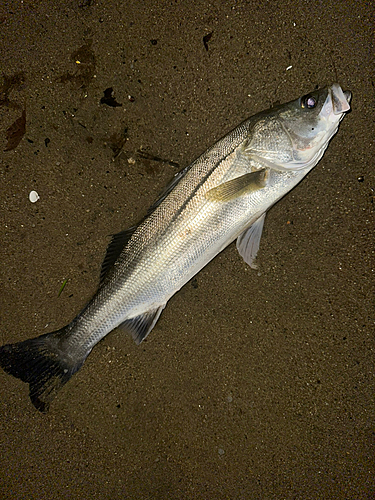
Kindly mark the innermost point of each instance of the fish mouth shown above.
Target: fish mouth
(348, 95)
(340, 99)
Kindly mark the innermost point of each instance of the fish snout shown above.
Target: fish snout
(340, 99)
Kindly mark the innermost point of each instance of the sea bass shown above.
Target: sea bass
(222, 196)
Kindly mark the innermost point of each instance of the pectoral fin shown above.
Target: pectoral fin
(248, 242)
(239, 186)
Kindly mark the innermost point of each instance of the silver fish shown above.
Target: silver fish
(222, 196)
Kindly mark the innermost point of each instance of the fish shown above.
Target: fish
(223, 196)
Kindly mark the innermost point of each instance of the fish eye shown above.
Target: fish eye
(308, 101)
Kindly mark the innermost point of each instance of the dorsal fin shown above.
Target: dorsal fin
(120, 240)
(168, 189)
(115, 247)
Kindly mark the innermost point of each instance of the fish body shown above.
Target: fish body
(222, 196)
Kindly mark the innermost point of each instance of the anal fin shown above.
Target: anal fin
(140, 326)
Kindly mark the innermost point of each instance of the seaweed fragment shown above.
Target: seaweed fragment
(9, 83)
(206, 39)
(147, 156)
(15, 132)
(117, 142)
(84, 59)
(108, 98)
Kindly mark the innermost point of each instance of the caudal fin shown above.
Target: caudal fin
(42, 364)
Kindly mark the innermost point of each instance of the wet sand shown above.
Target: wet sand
(253, 384)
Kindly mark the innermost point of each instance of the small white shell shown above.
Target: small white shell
(33, 196)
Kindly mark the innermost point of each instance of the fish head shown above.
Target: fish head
(294, 136)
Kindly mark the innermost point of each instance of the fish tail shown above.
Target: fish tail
(42, 363)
